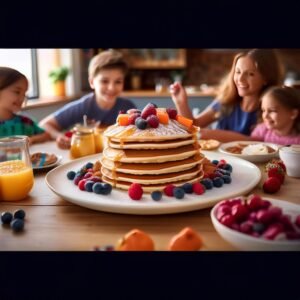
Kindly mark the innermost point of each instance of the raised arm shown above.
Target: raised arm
(180, 100)
(55, 131)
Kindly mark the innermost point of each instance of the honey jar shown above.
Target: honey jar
(82, 142)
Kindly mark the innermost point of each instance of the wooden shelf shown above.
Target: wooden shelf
(154, 63)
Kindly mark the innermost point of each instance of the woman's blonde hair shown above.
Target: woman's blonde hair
(109, 59)
(268, 65)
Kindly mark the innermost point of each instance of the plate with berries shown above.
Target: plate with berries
(79, 181)
(256, 223)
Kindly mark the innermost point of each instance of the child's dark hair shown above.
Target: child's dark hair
(9, 76)
(288, 97)
(110, 59)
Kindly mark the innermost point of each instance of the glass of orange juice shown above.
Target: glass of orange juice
(16, 174)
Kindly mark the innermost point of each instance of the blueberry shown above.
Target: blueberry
(17, 225)
(97, 188)
(207, 182)
(226, 178)
(228, 167)
(88, 186)
(188, 188)
(71, 175)
(89, 165)
(156, 195)
(178, 192)
(19, 214)
(258, 227)
(140, 123)
(215, 161)
(106, 188)
(218, 182)
(6, 217)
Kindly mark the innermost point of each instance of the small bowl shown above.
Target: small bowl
(245, 242)
(255, 158)
(291, 158)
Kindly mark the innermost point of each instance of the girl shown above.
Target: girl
(238, 102)
(13, 86)
(281, 117)
(107, 72)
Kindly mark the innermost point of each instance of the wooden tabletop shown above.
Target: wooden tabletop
(55, 224)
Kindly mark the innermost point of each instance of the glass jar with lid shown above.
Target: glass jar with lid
(82, 142)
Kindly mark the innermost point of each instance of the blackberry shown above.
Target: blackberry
(19, 214)
(156, 195)
(71, 175)
(6, 217)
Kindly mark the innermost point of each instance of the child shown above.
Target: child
(236, 107)
(13, 86)
(281, 117)
(107, 72)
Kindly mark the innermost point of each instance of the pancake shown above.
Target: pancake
(152, 157)
(153, 168)
(151, 145)
(149, 188)
(152, 179)
(149, 156)
(173, 130)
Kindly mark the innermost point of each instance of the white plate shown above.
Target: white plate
(245, 242)
(245, 177)
(58, 159)
(259, 158)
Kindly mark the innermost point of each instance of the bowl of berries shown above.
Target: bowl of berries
(254, 223)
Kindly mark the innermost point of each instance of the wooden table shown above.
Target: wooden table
(53, 223)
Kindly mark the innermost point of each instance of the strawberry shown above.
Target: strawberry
(135, 191)
(271, 185)
(280, 163)
(276, 172)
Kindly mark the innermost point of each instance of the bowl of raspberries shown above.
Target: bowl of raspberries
(254, 223)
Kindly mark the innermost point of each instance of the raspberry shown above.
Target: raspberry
(198, 188)
(169, 190)
(132, 118)
(153, 121)
(135, 191)
(81, 184)
(148, 110)
(172, 112)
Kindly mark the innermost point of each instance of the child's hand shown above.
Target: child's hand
(63, 142)
(178, 93)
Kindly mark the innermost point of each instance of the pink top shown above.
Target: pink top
(262, 133)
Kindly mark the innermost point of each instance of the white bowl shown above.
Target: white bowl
(291, 158)
(245, 242)
(255, 158)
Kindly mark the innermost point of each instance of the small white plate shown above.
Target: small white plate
(255, 158)
(58, 160)
(246, 242)
(245, 177)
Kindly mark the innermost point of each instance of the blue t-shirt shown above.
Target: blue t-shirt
(238, 120)
(72, 113)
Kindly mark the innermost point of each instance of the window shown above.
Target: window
(25, 61)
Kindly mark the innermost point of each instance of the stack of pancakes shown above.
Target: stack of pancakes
(153, 157)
